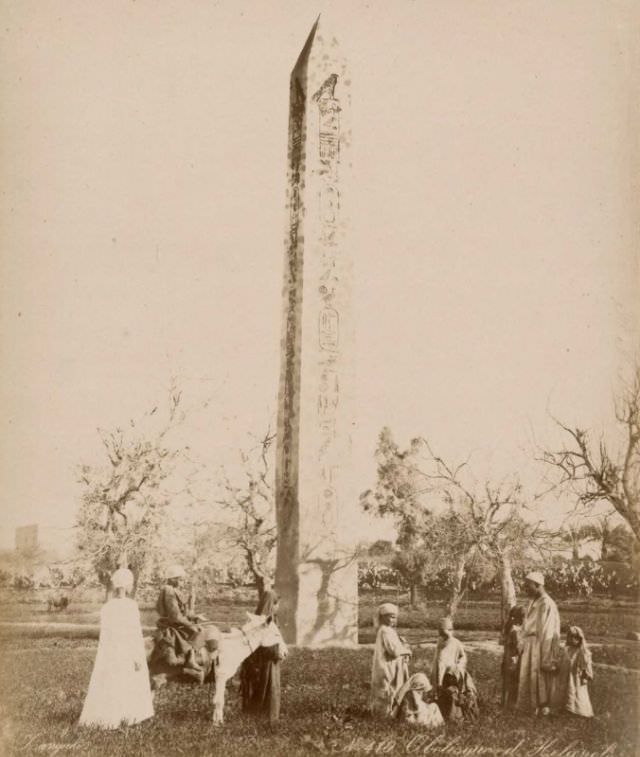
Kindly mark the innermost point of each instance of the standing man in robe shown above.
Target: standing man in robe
(541, 649)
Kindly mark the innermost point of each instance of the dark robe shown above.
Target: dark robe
(260, 673)
(458, 697)
(176, 635)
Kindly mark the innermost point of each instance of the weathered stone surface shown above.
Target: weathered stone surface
(316, 574)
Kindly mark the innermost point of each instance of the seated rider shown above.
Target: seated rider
(178, 636)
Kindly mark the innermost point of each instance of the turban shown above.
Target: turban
(536, 577)
(122, 579)
(175, 571)
(446, 624)
(387, 608)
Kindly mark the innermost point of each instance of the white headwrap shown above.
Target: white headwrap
(175, 571)
(386, 608)
(536, 577)
(122, 579)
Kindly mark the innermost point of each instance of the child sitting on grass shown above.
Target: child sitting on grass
(409, 703)
(575, 671)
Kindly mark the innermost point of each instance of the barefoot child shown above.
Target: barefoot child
(512, 640)
(575, 671)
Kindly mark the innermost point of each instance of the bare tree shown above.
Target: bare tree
(452, 523)
(490, 520)
(123, 503)
(251, 504)
(594, 472)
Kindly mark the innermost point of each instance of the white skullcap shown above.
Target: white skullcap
(536, 577)
(122, 579)
(387, 608)
(175, 571)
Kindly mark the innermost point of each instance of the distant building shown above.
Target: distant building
(27, 540)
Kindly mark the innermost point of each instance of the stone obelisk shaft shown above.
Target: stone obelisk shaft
(316, 573)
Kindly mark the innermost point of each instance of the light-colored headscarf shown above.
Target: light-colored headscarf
(122, 579)
(584, 653)
(577, 631)
(417, 682)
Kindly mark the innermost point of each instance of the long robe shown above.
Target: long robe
(175, 637)
(513, 644)
(575, 670)
(260, 672)
(260, 682)
(389, 669)
(119, 689)
(540, 653)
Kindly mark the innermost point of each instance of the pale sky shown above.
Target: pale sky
(143, 176)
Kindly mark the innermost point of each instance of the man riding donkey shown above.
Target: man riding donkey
(178, 637)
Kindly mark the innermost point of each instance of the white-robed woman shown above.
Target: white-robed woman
(389, 670)
(119, 691)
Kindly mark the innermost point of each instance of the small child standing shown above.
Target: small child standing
(449, 653)
(575, 671)
(454, 687)
(512, 640)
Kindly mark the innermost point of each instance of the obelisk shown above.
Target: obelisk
(316, 572)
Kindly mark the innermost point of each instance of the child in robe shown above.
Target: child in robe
(575, 671)
(455, 690)
(449, 653)
(119, 690)
(389, 669)
(513, 642)
(458, 696)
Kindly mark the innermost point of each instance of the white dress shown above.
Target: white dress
(119, 690)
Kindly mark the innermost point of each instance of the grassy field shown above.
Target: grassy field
(43, 682)
(598, 617)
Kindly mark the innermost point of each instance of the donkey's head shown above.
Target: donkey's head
(264, 632)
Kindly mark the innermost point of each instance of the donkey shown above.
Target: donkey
(234, 648)
(222, 655)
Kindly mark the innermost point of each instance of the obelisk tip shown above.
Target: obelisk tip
(307, 46)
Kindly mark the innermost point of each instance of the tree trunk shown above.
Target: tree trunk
(263, 584)
(136, 579)
(458, 590)
(413, 595)
(508, 589)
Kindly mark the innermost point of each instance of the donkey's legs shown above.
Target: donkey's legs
(218, 698)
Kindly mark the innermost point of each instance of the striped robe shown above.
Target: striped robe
(540, 654)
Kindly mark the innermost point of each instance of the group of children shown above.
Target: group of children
(451, 694)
